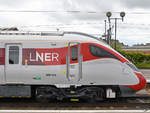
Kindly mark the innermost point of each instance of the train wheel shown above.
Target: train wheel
(42, 99)
(46, 94)
(97, 95)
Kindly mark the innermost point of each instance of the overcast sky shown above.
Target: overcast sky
(88, 18)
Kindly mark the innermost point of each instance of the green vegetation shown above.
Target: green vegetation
(143, 65)
(141, 60)
(118, 44)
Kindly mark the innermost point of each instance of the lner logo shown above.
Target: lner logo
(44, 57)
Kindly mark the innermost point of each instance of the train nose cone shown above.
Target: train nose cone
(141, 84)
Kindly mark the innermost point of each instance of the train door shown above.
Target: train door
(74, 63)
(13, 64)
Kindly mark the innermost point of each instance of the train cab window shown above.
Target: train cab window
(13, 55)
(74, 53)
(100, 52)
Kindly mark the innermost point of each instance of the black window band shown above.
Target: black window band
(100, 52)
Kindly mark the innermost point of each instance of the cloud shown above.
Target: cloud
(12, 4)
(78, 21)
(99, 6)
(136, 3)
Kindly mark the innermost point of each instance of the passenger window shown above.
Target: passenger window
(100, 52)
(13, 55)
(74, 53)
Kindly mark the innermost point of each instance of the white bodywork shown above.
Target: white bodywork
(95, 72)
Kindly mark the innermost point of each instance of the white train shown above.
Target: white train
(58, 65)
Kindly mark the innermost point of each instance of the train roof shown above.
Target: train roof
(48, 36)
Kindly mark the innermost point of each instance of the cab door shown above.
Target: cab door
(74, 63)
(13, 64)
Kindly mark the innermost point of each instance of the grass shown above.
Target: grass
(143, 65)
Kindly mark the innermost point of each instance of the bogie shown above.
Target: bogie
(90, 93)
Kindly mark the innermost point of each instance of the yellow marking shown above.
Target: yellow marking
(27, 96)
(1, 96)
(13, 97)
(64, 71)
(26, 61)
(19, 96)
(72, 92)
(67, 43)
(74, 100)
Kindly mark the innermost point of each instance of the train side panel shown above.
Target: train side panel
(52, 68)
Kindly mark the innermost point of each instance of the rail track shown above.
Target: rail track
(122, 104)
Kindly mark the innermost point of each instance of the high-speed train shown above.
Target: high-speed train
(59, 65)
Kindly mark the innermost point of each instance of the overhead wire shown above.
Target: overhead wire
(69, 11)
(51, 11)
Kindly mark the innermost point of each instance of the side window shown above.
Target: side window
(13, 55)
(74, 53)
(100, 52)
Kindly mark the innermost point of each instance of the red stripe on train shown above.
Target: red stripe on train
(85, 51)
(2, 56)
(57, 56)
(140, 85)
